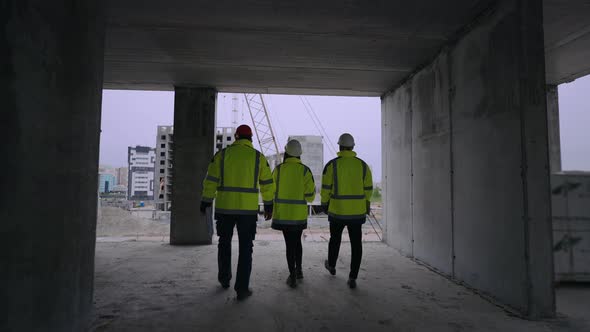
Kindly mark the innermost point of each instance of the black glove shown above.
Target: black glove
(324, 208)
(268, 211)
(204, 206)
(368, 208)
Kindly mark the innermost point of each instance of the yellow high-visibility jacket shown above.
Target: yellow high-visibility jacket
(234, 178)
(347, 186)
(294, 189)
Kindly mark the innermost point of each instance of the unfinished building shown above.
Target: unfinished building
(466, 141)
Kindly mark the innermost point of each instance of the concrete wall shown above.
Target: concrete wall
(397, 165)
(571, 225)
(51, 66)
(431, 166)
(477, 184)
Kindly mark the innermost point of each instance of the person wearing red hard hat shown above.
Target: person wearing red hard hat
(235, 177)
(243, 131)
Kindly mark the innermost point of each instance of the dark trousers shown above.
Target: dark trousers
(246, 231)
(356, 244)
(294, 249)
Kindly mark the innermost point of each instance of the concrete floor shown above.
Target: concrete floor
(152, 286)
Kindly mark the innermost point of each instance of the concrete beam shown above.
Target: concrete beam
(478, 191)
(194, 135)
(51, 65)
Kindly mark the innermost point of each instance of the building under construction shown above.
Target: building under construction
(313, 156)
(164, 168)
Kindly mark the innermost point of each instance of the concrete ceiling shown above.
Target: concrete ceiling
(334, 47)
(567, 39)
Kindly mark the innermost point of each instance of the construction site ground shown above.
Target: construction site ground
(152, 286)
(144, 284)
(116, 224)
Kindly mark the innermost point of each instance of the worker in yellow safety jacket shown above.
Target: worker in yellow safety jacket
(234, 179)
(294, 189)
(347, 186)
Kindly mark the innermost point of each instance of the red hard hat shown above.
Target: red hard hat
(244, 130)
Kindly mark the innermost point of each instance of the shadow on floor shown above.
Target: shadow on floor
(152, 286)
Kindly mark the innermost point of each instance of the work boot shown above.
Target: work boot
(299, 274)
(330, 269)
(351, 283)
(224, 282)
(292, 281)
(243, 294)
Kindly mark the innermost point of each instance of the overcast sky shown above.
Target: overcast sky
(130, 118)
(574, 123)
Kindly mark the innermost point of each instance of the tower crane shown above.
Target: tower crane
(262, 125)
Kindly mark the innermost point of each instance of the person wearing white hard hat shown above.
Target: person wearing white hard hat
(347, 186)
(295, 188)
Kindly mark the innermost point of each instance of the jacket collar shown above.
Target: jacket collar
(243, 142)
(293, 160)
(346, 153)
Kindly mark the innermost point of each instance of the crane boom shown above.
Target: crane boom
(262, 125)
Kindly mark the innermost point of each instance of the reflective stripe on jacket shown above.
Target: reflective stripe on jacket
(294, 189)
(347, 186)
(235, 176)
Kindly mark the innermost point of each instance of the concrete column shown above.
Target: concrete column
(194, 135)
(535, 177)
(553, 127)
(51, 67)
(468, 191)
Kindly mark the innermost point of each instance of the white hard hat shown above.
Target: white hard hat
(346, 140)
(293, 148)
